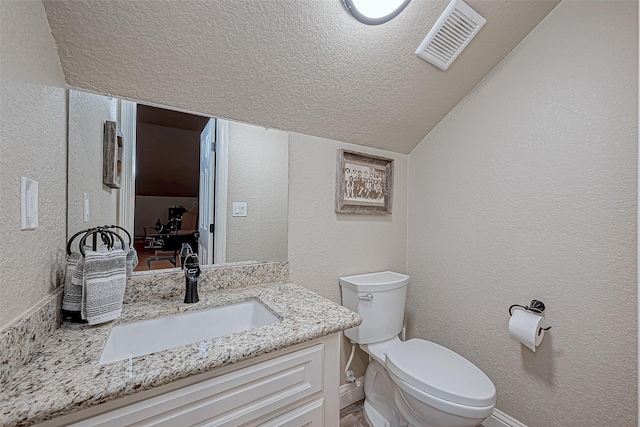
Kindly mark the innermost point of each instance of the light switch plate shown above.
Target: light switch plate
(239, 208)
(85, 207)
(28, 204)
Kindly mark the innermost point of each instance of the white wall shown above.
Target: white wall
(528, 189)
(87, 114)
(258, 175)
(33, 116)
(324, 245)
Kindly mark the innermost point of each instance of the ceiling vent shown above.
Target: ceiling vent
(453, 31)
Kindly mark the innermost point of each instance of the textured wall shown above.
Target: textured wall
(87, 114)
(167, 161)
(33, 116)
(324, 245)
(528, 189)
(258, 175)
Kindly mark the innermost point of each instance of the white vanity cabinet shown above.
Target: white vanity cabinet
(296, 386)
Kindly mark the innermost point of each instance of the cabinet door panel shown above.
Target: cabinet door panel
(228, 400)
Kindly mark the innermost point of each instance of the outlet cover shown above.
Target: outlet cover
(28, 204)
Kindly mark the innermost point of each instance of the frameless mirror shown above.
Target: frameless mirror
(175, 178)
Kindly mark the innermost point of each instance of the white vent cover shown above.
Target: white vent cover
(453, 31)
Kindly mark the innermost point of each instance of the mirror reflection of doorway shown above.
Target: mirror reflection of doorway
(169, 193)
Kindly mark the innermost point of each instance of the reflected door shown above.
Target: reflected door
(206, 194)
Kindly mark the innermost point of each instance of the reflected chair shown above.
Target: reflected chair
(188, 223)
(186, 231)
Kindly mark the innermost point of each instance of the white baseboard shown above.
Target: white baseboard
(500, 419)
(350, 393)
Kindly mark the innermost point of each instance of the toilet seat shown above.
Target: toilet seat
(379, 350)
(429, 371)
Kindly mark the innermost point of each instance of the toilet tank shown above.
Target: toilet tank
(379, 299)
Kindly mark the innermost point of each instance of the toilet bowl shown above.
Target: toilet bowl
(413, 383)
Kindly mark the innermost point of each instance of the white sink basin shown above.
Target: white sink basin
(162, 333)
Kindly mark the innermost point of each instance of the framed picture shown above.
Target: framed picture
(112, 154)
(364, 183)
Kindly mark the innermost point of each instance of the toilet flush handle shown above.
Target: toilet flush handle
(367, 297)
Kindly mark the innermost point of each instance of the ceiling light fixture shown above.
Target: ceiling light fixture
(374, 12)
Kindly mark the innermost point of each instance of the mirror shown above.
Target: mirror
(246, 186)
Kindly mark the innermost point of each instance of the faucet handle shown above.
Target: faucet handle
(192, 266)
(191, 273)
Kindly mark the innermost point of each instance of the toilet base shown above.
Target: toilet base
(375, 418)
(386, 406)
(436, 417)
(379, 389)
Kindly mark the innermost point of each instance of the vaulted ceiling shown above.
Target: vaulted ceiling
(305, 66)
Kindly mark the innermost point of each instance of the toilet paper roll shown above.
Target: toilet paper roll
(525, 326)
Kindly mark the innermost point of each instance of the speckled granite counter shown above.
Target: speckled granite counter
(64, 376)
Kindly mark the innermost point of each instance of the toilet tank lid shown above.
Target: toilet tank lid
(371, 282)
(440, 372)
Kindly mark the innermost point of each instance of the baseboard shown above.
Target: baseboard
(350, 393)
(500, 419)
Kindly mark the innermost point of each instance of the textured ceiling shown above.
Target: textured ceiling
(304, 66)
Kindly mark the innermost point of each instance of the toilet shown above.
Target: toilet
(414, 383)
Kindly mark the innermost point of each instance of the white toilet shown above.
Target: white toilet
(416, 382)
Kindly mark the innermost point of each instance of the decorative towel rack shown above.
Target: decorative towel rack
(106, 234)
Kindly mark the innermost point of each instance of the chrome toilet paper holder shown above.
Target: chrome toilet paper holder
(535, 306)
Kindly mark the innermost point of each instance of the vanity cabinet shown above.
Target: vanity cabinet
(297, 386)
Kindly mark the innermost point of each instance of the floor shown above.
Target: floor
(353, 416)
(144, 254)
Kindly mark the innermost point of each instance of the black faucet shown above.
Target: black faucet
(191, 274)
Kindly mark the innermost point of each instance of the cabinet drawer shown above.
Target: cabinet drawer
(311, 415)
(228, 400)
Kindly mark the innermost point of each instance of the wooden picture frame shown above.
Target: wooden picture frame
(112, 155)
(364, 183)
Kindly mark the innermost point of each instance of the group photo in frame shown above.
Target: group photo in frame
(364, 183)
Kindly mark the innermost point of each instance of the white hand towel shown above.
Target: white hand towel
(72, 296)
(132, 256)
(77, 280)
(105, 278)
(132, 260)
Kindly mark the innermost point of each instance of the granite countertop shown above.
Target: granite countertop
(65, 377)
